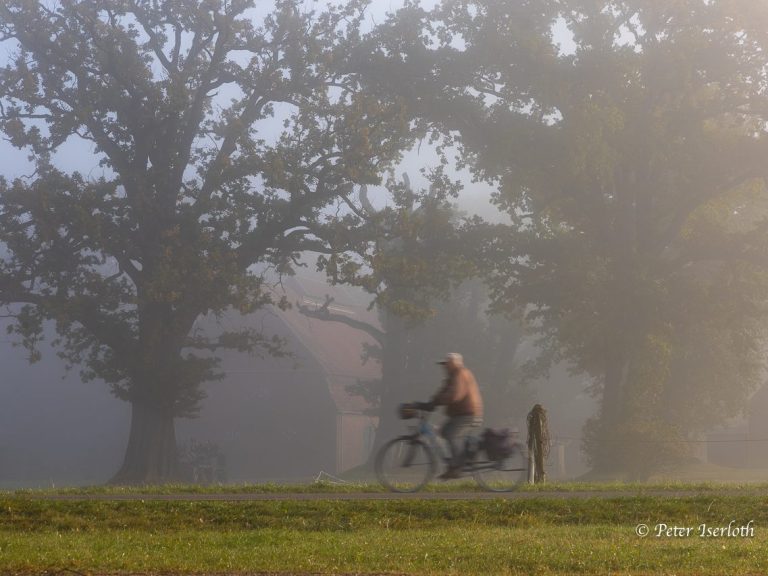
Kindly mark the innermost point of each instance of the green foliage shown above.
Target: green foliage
(414, 259)
(406, 255)
(637, 447)
(175, 229)
(198, 198)
(633, 172)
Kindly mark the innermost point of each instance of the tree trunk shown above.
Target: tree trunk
(616, 372)
(151, 456)
(393, 390)
(621, 329)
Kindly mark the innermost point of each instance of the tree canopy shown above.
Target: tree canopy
(411, 257)
(627, 142)
(224, 133)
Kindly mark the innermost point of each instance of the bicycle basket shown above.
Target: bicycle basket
(407, 411)
(498, 444)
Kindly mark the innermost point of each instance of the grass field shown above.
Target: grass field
(592, 535)
(372, 487)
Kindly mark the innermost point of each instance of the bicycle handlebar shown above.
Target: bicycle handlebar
(408, 411)
(424, 406)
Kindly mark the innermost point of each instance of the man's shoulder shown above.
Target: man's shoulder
(465, 372)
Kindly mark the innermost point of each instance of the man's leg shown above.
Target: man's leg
(455, 432)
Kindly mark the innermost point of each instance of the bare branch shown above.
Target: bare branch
(5, 116)
(323, 313)
(354, 208)
(154, 41)
(253, 108)
(177, 46)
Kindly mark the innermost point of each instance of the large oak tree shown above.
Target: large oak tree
(640, 250)
(223, 133)
(627, 141)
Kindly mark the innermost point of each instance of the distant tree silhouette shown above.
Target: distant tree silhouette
(417, 265)
(630, 161)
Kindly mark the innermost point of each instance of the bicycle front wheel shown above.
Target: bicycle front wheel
(405, 464)
(503, 475)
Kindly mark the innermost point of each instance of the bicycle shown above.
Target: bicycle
(407, 463)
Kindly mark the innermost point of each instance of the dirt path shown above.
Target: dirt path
(672, 494)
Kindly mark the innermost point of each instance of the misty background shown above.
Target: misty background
(321, 408)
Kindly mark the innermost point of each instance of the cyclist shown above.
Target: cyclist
(463, 406)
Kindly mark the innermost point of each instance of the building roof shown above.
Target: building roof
(337, 347)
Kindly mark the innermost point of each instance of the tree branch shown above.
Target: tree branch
(323, 313)
(196, 112)
(212, 180)
(154, 42)
(354, 208)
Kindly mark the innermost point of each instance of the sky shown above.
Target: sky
(79, 155)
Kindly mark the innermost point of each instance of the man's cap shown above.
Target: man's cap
(454, 357)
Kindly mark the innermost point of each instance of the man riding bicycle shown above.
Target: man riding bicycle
(463, 406)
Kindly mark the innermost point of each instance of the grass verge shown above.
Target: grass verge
(535, 536)
(374, 487)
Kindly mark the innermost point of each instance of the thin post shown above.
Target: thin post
(538, 444)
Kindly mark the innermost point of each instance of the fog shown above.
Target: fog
(579, 214)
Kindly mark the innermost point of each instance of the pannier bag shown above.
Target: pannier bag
(498, 444)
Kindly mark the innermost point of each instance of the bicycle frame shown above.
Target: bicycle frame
(426, 432)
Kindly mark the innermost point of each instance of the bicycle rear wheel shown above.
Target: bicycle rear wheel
(405, 464)
(503, 475)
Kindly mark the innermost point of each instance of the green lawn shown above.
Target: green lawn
(463, 485)
(532, 536)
